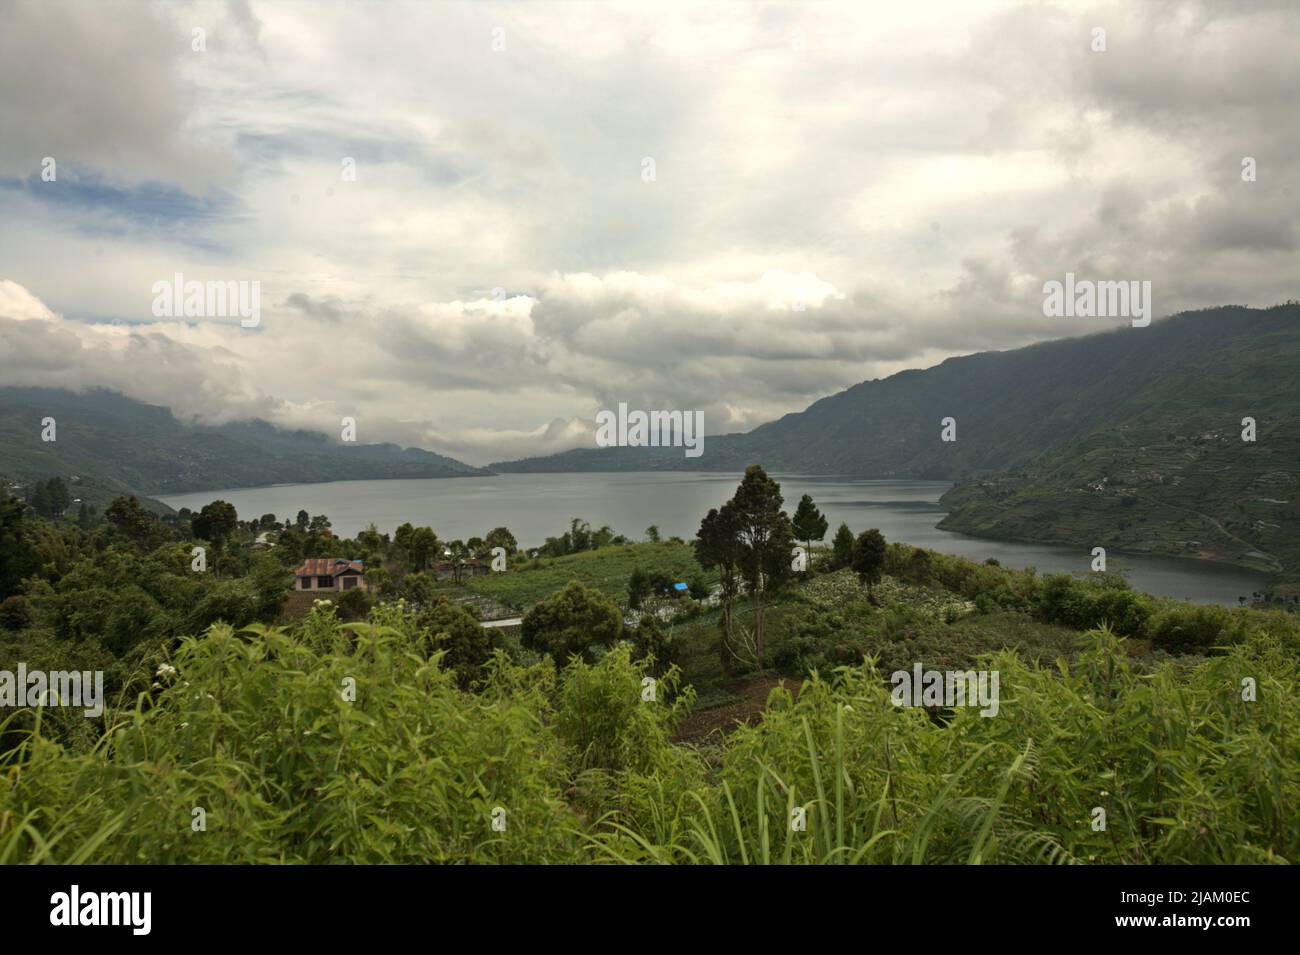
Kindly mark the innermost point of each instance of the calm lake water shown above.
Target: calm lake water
(537, 506)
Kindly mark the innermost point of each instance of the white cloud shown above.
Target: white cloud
(21, 305)
(843, 190)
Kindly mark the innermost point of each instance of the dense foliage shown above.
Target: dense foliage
(258, 731)
(401, 730)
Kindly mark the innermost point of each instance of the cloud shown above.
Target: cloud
(841, 191)
(18, 304)
(96, 86)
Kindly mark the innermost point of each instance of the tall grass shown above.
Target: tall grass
(256, 729)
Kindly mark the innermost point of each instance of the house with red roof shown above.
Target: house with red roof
(335, 574)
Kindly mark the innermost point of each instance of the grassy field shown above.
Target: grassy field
(529, 581)
(826, 622)
(818, 623)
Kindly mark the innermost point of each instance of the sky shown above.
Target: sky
(731, 208)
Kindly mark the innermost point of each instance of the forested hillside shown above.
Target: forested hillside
(1185, 375)
(1131, 438)
(126, 445)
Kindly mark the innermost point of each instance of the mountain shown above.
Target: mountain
(1010, 407)
(119, 445)
(1129, 438)
(1167, 470)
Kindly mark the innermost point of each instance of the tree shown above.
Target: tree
(51, 498)
(86, 516)
(557, 546)
(766, 540)
(459, 556)
(417, 588)
(869, 557)
(215, 522)
(422, 547)
(842, 548)
(135, 523)
(638, 588)
(302, 520)
(402, 542)
(371, 543)
(717, 545)
(40, 500)
(919, 567)
(501, 537)
(579, 535)
(15, 612)
(650, 641)
(17, 556)
(572, 622)
(380, 580)
(468, 645)
(652, 533)
(808, 522)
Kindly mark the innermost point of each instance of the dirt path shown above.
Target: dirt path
(1277, 564)
(722, 720)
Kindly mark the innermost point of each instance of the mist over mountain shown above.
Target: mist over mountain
(1010, 407)
(1129, 438)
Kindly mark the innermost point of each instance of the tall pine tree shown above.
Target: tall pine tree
(808, 522)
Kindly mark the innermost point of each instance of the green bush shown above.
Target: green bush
(258, 730)
(15, 612)
(651, 641)
(572, 623)
(612, 718)
(1092, 602)
(354, 604)
(1126, 612)
(467, 645)
(1196, 628)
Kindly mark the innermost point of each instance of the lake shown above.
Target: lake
(537, 506)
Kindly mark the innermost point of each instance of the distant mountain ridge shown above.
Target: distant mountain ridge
(126, 445)
(1129, 438)
(1010, 406)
